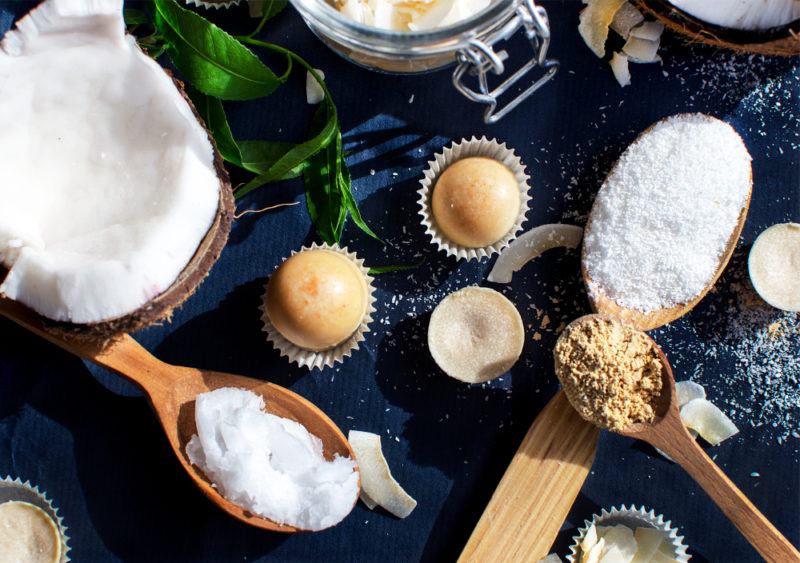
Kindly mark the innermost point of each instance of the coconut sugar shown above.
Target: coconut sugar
(665, 214)
(610, 372)
(269, 465)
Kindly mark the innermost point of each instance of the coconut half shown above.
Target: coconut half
(768, 27)
(115, 204)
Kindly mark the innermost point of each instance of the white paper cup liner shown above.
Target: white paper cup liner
(15, 489)
(213, 5)
(323, 358)
(489, 148)
(633, 518)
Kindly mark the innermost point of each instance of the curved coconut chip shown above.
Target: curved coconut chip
(783, 41)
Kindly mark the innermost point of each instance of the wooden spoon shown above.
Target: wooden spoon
(171, 391)
(650, 320)
(668, 434)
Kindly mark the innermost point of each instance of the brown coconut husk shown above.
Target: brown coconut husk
(782, 41)
(161, 307)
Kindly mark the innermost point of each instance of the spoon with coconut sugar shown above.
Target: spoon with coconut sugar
(173, 393)
(666, 220)
(619, 379)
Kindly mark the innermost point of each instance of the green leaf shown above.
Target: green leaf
(324, 197)
(299, 154)
(133, 16)
(210, 59)
(377, 270)
(352, 205)
(212, 112)
(259, 156)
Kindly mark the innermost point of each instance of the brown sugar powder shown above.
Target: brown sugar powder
(610, 372)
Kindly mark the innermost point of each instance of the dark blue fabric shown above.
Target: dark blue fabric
(91, 441)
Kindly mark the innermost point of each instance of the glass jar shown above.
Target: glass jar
(470, 44)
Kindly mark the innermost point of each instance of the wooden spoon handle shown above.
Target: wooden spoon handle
(123, 355)
(753, 525)
(538, 489)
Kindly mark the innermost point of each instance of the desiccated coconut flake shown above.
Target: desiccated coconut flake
(619, 65)
(377, 484)
(530, 245)
(650, 31)
(314, 92)
(641, 50)
(710, 422)
(595, 19)
(626, 18)
(688, 390)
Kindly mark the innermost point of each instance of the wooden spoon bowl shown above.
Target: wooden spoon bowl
(667, 433)
(649, 320)
(171, 390)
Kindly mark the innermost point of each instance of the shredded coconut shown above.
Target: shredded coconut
(666, 212)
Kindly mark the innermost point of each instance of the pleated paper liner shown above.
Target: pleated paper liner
(14, 489)
(489, 148)
(632, 518)
(324, 358)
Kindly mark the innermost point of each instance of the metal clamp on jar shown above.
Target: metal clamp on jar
(470, 43)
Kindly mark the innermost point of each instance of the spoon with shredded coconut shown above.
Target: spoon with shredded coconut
(619, 379)
(666, 220)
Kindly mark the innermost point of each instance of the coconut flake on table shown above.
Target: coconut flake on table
(530, 245)
(108, 183)
(314, 92)
(620, 68)
(269, 465)
(641, 50)
(663, 217)
(626, 18)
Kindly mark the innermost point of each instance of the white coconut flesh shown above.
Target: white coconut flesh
(747, 15)
(107, 179)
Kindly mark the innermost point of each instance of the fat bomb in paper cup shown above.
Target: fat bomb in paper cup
(475, 334)
(318, 305)
(474, 198)
(30, 528)
(628, 533)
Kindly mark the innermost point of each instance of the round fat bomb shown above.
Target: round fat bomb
(317, 299)
(476, 201)
(27, 533)
(475, 334)
(774, 265)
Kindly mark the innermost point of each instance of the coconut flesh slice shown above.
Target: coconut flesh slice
(626, 18)
(114, 201)
(595, 20)
(710, 422)
(378, 487)
(620, 68)
(531, 245)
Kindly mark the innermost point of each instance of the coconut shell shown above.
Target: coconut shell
(161, 307)
(782, 41)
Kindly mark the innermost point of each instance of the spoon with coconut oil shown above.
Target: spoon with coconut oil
(664, 430)
(172, 390)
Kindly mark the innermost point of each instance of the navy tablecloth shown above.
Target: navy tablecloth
(90, 440)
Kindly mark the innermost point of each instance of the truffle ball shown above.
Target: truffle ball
(316, 299)
(476, 201)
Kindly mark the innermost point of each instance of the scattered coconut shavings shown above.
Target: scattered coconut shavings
(619, 65)
(626, 18)
(663, 217)
(595, 20)
(752, 350)
(377, 484)
(531, 244)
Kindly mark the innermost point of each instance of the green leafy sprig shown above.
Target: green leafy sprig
(219, 66)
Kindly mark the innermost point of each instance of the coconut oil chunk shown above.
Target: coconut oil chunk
(664, 217)
(28, 534)
(107, 178)
(269, 465)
